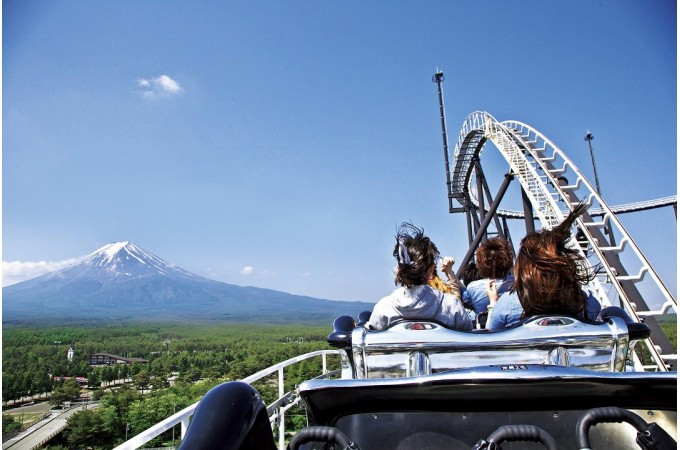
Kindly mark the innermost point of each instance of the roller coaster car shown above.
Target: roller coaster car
(414, 348)
(418, 385)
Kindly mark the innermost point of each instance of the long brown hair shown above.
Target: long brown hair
(549, 275)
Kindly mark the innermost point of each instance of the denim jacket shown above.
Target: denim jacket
(474, 296)
(508, 310)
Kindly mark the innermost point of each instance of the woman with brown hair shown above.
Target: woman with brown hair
(494, 262)
(416, 258)
(549, 279)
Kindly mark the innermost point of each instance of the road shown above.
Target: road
(34, 435)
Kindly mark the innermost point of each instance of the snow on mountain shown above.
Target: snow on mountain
(119, 259)
(122, 281)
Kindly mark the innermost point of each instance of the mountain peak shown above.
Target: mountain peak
(113, 248)
(109, 251)
(116, 262)
(126, 258)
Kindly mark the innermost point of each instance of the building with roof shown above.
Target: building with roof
(107, 359)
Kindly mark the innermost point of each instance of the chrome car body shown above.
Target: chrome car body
(415, 348)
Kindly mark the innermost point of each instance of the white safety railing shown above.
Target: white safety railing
(277, 409)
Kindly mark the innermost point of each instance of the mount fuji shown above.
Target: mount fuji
(121, 281)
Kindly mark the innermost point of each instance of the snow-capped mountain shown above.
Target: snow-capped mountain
(123, 281)
(119, 261)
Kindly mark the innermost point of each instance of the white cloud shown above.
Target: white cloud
(16, 271)
(168, 84)
(161, 86)
(247, 270)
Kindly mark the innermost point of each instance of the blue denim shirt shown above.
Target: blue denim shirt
(508, 310)
(475, 298)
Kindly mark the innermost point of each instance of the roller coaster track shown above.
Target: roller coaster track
(595, 212)
(553, 185)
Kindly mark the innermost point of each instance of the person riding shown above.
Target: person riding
(549, 279)
(416, 258)
(494, 262)
(470, 274)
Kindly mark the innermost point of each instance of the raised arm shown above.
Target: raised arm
(447, 268)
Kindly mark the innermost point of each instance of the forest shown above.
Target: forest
(196, 357)
(199, 357)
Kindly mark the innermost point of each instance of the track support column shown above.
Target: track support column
(485, 223)
(528, 213)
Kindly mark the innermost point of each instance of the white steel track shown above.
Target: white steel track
(616, 209)
(542, 168)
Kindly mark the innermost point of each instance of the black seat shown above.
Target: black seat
(636, 330)
(341, 337)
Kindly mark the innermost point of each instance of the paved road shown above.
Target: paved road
(33, 436)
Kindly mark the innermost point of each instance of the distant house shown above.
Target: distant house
(106, 359)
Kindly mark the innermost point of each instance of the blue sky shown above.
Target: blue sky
(279, 144)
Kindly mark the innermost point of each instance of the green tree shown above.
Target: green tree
(135, 368)
(107, 374)
(9, 387)
(40, 381)
(66, 391)
(94, 378)
(115, 409)
(152, 410)
(212, 373)
(25, 386)
(183, 363)
(142, 380)
(9, 423)
(124, 371)
(97, 394)
(160, 381)
(194, 374)
(46, 382)
(86, 429)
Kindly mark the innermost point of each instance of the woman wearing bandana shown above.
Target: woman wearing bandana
(415, 299)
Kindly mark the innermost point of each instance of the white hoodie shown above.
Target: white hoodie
(420, 303)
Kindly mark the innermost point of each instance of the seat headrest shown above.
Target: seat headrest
(364, 316)
(341, 337)
(636, 330)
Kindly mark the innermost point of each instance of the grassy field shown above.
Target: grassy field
(25, 417)
(669, 325)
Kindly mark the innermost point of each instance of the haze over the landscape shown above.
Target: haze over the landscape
(279, 144)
